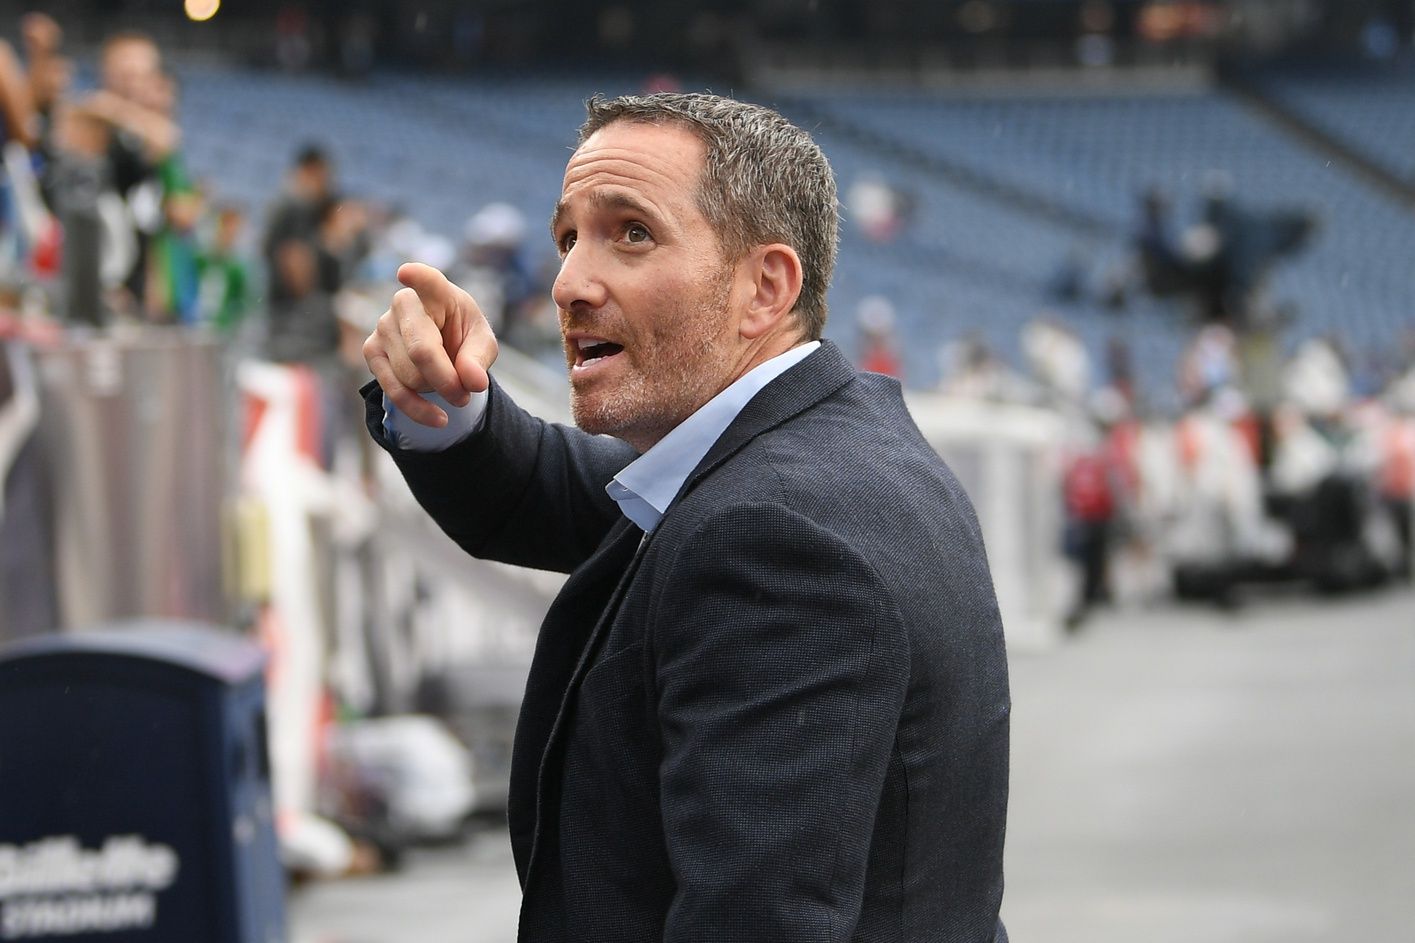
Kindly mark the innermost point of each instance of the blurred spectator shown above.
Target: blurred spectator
(1067, 284)
(341, 242)
(878, 346)
(1057, 358)
(224, 276)
(1209, 364)
(1316, 379)
(136, 103)
(394, 238)
(1397, 484)
(881, 210)
(1213, 502)
(173, 260)
(109, 162)
(94, 225)
(1090, 491)
(1223, 261)
(1323, 497)
(16, 101)
(1162, 264)
(295, 217)
(19, 127)
(50, 78)
(303, 326)
(172, 274)
(492, 268)
(970, 369)
(538, 319)
(48, 71)
(1120, 368)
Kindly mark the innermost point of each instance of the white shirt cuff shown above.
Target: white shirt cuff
(462, 421)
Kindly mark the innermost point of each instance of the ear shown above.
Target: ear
(774, 276)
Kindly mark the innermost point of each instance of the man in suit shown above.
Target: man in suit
(770, 703)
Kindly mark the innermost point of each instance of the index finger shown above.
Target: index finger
(434, 289)
(423, 347)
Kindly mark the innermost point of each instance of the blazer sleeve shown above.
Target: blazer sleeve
(781, 666)
(520, 491)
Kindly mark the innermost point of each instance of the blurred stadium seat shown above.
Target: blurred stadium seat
(1005, 186)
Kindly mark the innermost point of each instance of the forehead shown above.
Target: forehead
(130, 53)
(664, 161)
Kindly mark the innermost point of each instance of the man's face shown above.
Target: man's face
(648, 306)
(312, 179)
(129, 65)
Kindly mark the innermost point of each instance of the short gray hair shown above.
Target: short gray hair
(765, 181)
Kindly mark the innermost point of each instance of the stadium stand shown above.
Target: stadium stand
(1004, 188)
(1369, 110)
(1093, 154)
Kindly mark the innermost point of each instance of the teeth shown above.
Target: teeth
(585, 342)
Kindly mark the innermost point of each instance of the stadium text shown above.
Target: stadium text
(56, 887)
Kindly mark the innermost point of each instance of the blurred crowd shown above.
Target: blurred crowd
(100, 220)
(1278, 465)
(1304, 477)
(102, 223)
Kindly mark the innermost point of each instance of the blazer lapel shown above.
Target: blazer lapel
(577, 619)
(564, 640)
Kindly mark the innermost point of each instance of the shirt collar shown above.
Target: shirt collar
(644, 489)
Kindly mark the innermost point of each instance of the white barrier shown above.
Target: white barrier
(1007, 458)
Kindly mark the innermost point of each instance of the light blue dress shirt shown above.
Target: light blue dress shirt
(644, 488)
(462, 421)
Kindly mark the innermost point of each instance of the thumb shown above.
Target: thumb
(473, 360)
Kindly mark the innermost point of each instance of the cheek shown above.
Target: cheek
(670, 307)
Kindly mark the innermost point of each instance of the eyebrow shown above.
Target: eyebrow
(604, 200)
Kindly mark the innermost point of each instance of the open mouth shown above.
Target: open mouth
(591, 350)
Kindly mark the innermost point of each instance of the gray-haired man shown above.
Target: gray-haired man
(771, 701)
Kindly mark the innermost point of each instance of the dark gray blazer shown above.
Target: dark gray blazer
(783, 717)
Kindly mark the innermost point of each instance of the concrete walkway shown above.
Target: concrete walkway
(1178, 777)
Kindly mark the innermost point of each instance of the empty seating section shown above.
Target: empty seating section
(967, 265)
(970, 262)
(1370, 111)
(1095, 154)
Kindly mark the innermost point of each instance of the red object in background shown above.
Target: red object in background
(48, 250)
(309, 415)
(1187, 441)
(1250, 430)
(1397, 475)
(1087, 487)
(881, 358)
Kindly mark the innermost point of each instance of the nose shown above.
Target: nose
(580, 282)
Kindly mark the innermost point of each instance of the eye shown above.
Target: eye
(566, 242)
(636, 233)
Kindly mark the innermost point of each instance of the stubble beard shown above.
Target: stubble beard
(672, 371)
